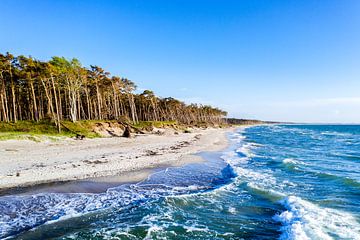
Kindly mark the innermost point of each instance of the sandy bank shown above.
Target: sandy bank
(27, 163)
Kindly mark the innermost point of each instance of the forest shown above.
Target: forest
(62, 89)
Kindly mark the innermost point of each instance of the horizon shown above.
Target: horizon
(285, 61)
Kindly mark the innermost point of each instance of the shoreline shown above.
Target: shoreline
(107, 160)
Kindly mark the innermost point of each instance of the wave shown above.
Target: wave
(295, 166)
(342, 179)
(292, 130)
(336, 134)
(292, 161)
(304, 220)
(245, 150)
(25, 212)
(259, 183)
(345, 156)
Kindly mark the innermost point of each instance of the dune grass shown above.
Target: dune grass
(38, 131)
(47, 130)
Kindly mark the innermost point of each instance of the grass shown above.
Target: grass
(45, 130)
(29, 136)
(82, 127)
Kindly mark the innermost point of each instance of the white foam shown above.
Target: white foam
(152, 229)
(260, 181)
(304, 220)
(232, 210)
(190, 188)
(21, 212)
(246, 150)
(290, 160)
(194, 228)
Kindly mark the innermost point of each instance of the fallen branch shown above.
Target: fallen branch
(77, 135)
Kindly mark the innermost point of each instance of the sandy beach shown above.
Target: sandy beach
(27, 163)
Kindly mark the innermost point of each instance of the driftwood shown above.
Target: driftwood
(129, 127)
(77, 135)
(127, 132)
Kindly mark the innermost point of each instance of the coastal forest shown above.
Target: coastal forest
(62, 89)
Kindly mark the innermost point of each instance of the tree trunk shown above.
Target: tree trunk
(98, 101)
(56, 105)
(49, 98)
(88, 103)
(3, 108)
(36, 114)
(13, 96)
(4, 99)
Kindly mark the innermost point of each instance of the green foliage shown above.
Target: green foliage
(63, 90)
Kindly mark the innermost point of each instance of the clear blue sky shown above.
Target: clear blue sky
(277, 60)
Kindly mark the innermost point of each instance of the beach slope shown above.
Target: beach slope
(26, 163)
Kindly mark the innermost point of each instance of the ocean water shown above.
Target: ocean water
(273, 182)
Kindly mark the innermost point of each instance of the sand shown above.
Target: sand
(26, 163)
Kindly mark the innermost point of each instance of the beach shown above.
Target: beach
(27, 163)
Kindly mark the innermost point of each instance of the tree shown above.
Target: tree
(128, 88)
(62, 89)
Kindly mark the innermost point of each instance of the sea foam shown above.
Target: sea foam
(303, 220)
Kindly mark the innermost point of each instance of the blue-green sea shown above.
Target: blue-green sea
(272, 182)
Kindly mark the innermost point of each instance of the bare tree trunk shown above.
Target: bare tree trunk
(4, 99)
(13, 95)
(98, 101)
(36, 114)
(88, 104)
(49, 98)
(78, 105)
(60, 105)
(56, 105)
(121, 106)
(3, 108)
(132, 108)
(116, 107)
(72, 101)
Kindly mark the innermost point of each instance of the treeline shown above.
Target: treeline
(237, 121)
(62, 89)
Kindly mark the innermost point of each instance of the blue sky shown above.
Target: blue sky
(272, 60)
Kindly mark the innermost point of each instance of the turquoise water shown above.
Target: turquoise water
(273, 182)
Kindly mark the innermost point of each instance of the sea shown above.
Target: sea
(272, 182)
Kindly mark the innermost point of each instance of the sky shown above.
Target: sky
(281, 60)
